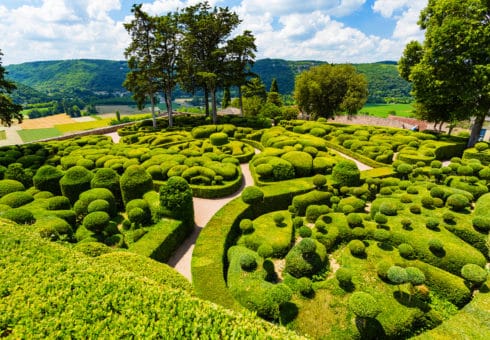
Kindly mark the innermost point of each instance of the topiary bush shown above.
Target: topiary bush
(346, 173)
(247, 262)
(344, 277)
(9, 185)
(301, 161)
(16, 199)
(475, 275)
(47, 178)
(265, 250)
(406, 251)
(134, 183)
(176, 200)
(357, 248)
(54, 228)
(436, 246)
(58, 203)
(319, 181)
(364, 305)
(252, 195)
(246, 226)
(109, 179)
(314, 211)
(96, 221)
(99, 205)
(432, 223)
(354, 220)
(306, 258)
(75, 181)
(457, 202)
(18, 215)
(219, 138)
(304, 231)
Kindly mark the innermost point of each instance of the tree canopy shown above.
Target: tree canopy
(326, 90)
(450, 71)
(8, 110)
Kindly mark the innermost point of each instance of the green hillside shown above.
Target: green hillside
(99, 79)
(51, 291)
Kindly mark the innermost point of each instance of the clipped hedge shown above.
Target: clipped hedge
(47, 178)
(75, 181)
(135, 182)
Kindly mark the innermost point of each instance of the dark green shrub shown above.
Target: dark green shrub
(281, 169)
(448, 217)
(397, 275)
(137, 216)
(304, 231)
(405, 198)
(219, 138)
(18, 215)
(475, 275)
(438, 203)
(406, 251)
(380, 218)
(344, 277)
(134, 183)
(432, 223)
(457, 202)
(386, 191)
(427, 202)
(246, 226)
(87, 197)
(99, 205)
(437, 192)
(306, 258)
(58, 203)
(319, 181)
(301, 202)
(406, 223)
(47, 178)
(415, 209)
(17, 172)
(314, 211)
(357, 248)
(346, 173)
(16, 199)
(96, 221)
(176, 199)
(305, 286)
(436, 246)
(252, 195)
(75, 181)
(9, 185)
(278, 219)
(357, 204)
(247, 262)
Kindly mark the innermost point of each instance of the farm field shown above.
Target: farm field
(384, 110)
(396, 250)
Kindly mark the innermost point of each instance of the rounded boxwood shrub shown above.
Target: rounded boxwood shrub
(278, 218)
(413, 190)
(252, 195)
(99, 205)
(405, 198)
(281, 169)
(344, 277)
(265, 250)
(58, 203)
(397, 275)
(427, 202)
(96, 221)
(47, 178)
(380, 218)
(16, 199)
(436, 246)
(137, 216)
(457, 202)
(75, 181)
(406, 223)
(481, 223)
(54, 228)
(386, 191)
(87, 197)
(475, 274)
(357, 248)
(364, 305)
(301, 161)
(382, 268)
(354, 220)
(219, 138)
(246, 226)
(346, 173)
(304, 231)
(415, 209)
(319, 181)
(304, 259)
(382, 235)
(247, 262)
(10, 185)
(448, 217)
(314, 211)
(406, 251)
(134, 183)
(92, 248)
(264, 170)
(388, 208)
(432, 223)
(19, 216)
(481, 146)
(304, 285)
(176, 198)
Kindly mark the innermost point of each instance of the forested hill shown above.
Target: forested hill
(91, 79)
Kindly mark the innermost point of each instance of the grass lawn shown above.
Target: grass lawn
(83, 125)
(31, 135)
(3, 135)
(384, 110)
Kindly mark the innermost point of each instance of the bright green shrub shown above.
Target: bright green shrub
(219, 138)
(9, 185)
(356, 203)
(304, 231)
(346, 173)
(47, 178)
(344, 277)
(397, 275)
(301, 202)
(53, 228)
(134, 183)
(457, 202)
(264, 171)
(93, 249)
(67, 215)
(96, 221)
(436, 246)
(380, 218)
(382, 235)
(323, 165)
(415, 209)
(16, 199)
(364, 305)
(18, 215)
(87, 197)
(314, 211)
(474, 274)
(265, 250)
(252, 195)
(99, 205)
(319, 181)
(306, 258)
(406, 251)
(247, 262)
(388, 208)
(58, 203)
(75, 181)
(176, 199)
(246, 226)
(354, 220)
(357, 248)
(432, 223)
(301, 161)
(281, 169)
(481, 215)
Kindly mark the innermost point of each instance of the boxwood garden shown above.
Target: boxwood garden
(315, 245)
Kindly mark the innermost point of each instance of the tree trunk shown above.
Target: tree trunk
(206, 101)
(240, 100)
(440, 126)
(475, 129)
(153, 116)
(168, 103)
(213, 104)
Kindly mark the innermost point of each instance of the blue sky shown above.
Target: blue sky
(336, 31)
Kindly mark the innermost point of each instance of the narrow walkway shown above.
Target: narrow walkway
(204, 210)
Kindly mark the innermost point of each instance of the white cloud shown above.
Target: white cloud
(284, 7)
(389, 8)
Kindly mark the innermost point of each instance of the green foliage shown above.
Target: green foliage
(346, 173)
(18, 215)
(75, 181)
(357, 248)
(135, 182)
(58, 203)
(306, 258)
(363, 305)
(47, 178)
(252, 195)
(16, 199)
(302, 202)
(397, 275)
(301, 161)
(96, 221)
(219, 138)
(476, 275)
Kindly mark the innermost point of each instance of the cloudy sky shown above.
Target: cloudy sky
(336, 31)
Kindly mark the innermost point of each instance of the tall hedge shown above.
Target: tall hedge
(346, 173)
(134, 183)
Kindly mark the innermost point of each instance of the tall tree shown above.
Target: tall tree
(142, 79)
(451, 76)
(240, 60)
(326, 90)
(206, 31)
(274, 97)
(8, 110)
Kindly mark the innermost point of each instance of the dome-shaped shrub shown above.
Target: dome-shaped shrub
(457, 202)
(481, 223)
(406, 251)
(344, 276)
(219, 138)
(346, 173)
(281, 169)
(18, 215)
(47, 178)
(58, 203)
(99, 205)
(75, 181)
(304, 231)
(96, 221)
(135, 182)
(306, 258)
(432, 223)
(247, 262)
(107, 178)
(265, 250)
(87, 197)
(357, 248)
(363, 305)
(16, 199)
(354, 220)
(301, 161)
(264, 170)
(246, 226)
(475, 274)
(9, 185)
(54, 228)
(252, 195)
